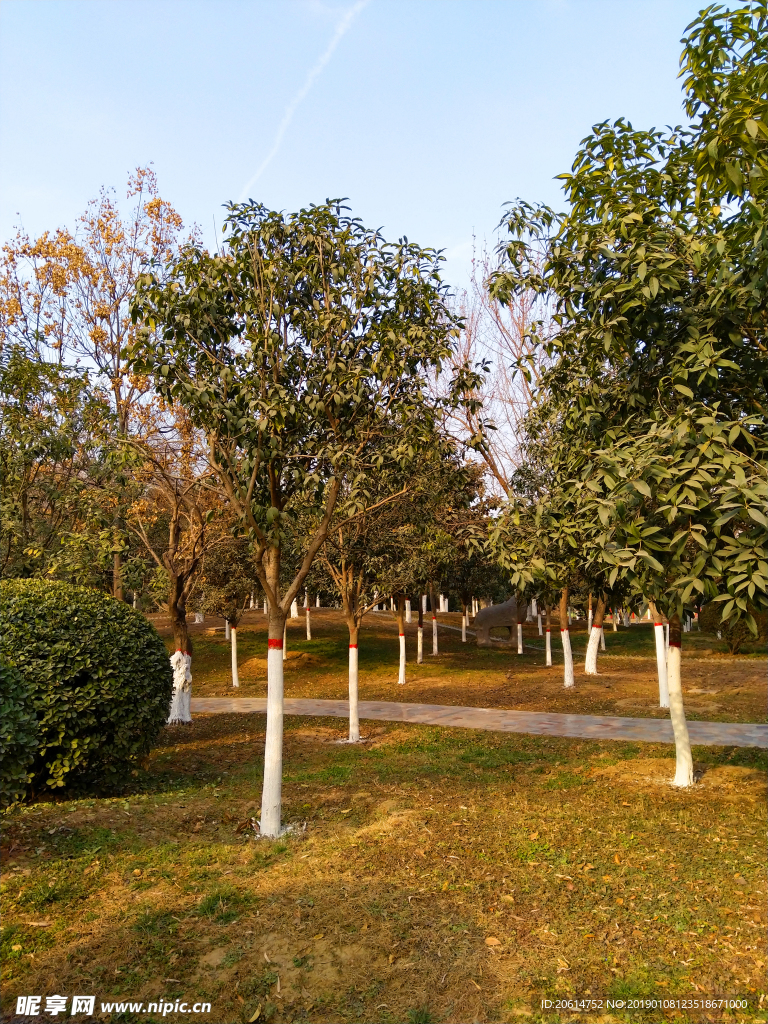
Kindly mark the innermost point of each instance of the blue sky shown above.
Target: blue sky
(427, 114)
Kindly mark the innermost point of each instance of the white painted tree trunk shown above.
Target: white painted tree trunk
(589, 620)
(519, 638)
(614, 616)
(135, 599)
(266, 606)
(529, 613)
(568, 680)
(434, 634)
(535, 606)
(306, 599)
(602, 638)
(235, 676)
(626, 620)
(538, 623)
(408, 611)
(423, 603)
(179, 713)
(252, 599)
(464, 627)
(661, 664)
(294, 609)
(590, 662)
(227, 629)
(309, 623)
(285, 641)
(271, 793)
(419, 646)
(666, 636)
(354, 709)
(683, 757)
(548, 647)
(401, 673)
(317, 601)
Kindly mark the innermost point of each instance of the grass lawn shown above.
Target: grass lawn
(433, 874)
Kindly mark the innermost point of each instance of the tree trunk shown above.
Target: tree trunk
(538, 623)
(434, 620)
(227, 629)
(589, 614)
(522, 610)
(595, 631)
(401, 633)
(408, 610)
(661, 657)
(354, 709)
(285, 639)
(317, 601)
(309, 622)
(565, 636)
(271, 795)
(684, 760)
(420, 635)
(463, 621)
(235, 677)
(117, 575)
(294, 609)
(614, 616)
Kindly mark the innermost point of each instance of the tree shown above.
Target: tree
(65, 296)
(56, 452)
(171, 518)
(301, 350)
(226, 582)
(496, 339)
(658, 278)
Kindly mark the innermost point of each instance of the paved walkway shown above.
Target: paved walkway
(596, 727)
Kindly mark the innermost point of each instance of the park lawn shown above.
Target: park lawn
(716, 686)
(434, 875)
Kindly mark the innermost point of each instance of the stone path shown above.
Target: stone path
(596, 727)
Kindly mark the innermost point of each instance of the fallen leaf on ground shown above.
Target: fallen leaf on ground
(491, 941)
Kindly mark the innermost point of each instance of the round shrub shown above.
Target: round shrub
(99, 677)
(18, 734)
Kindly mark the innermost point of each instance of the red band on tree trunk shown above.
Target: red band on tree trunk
(353, 645)
(675, 643)
(276, 645)
(658, 623)
(595, 626)
(402, 634)
(564, 630)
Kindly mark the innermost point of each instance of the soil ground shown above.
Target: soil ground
(433, 875)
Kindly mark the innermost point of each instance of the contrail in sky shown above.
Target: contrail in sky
(341, 30)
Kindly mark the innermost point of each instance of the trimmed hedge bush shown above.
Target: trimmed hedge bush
(99, 678)
(18, 735)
